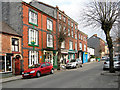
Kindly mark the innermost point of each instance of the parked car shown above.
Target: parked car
(116, 64)
(74, 63)
(37, 70)
(103, 58)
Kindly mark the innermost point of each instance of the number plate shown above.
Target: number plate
(26, 74)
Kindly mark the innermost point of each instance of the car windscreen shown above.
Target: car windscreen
(35, 66)
(73, 60)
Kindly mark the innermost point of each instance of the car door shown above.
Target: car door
(43, 68)
(48, 69)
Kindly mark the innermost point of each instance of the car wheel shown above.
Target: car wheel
(104, 69)
(52, 71)
(38, 74)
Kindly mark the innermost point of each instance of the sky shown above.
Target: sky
(73, 8)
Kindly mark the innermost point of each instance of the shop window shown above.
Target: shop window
(15, 44)
(49, 24)
(33, 36)
(49, 40)
(32, 17)
(33, 58)
(5, 64)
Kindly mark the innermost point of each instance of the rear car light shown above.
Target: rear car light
(105, 63)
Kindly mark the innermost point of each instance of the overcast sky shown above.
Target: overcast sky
(72, 8)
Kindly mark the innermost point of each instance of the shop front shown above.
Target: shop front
(71, 55)
(85, 57)
(50, 56)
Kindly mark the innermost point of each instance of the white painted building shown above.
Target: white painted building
(91, 51)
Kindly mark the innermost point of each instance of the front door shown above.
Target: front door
(17, 65)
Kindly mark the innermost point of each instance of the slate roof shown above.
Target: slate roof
(7, 29)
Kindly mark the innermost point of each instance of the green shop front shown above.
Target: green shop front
(50, 56)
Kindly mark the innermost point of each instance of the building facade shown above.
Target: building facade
(10, 52)
(98, 44)
(82, 46)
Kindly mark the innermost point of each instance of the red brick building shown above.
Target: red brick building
(10, 51)
(69, 46)
(39, 33)
(82, 46)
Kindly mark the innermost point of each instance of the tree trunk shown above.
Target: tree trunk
(110, 46)
(59, 56)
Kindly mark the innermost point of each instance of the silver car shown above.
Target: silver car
(74, 63)
(116, 64)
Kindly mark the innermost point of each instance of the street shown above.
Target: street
(89, 76)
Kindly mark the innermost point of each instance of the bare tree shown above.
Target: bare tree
(104, 15)
(62, 35)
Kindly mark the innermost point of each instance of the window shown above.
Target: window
(49, 24)
(60, 16)
(72, 33)
(33, 58)
(75, 34)
(64, 19)
(80, 45)
(33, 36)
(47, 64)
(70, 45)
(32, 17)
(68, 22)
(49, 40)
(84, 47)
(5, 63)
(76, 46)
(15, 44)
(63, 44)
(75, 26)
(43, 65)
(79, 36)
(64, 29)
(68, 32)
(72, 24)
(60, 27)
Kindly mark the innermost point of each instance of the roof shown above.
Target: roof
(7, 29)
(83, 33)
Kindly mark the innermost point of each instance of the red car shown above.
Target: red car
(38, 69)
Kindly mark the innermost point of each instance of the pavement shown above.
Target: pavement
(17, 77)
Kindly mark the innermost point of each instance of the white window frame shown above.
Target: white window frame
(33, 36)
(68, 22)
(84, 47)
(33, 17)
(72, 34)
(15, 47)
(80, 46)
(79, 36)
(70, 45)
(60, 27)
(75, 34)
(76, 46)
(64, 19)
(49, 24)
(51, 42)
(33, 57)
(71, 24)
(5, 65)
(68, 32)
(60, 16)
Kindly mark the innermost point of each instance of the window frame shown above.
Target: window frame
(30, 21)
(70, 42)
(49, 27)
(16, 39)
(34, 35)
(48, 46)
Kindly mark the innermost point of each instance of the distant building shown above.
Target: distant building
(91, 52)
(98, 44)
(106, 50)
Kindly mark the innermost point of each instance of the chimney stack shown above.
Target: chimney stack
(95, 35)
